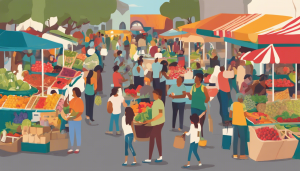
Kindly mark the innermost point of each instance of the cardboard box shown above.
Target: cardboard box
(31, 138)
(32, 130)
(37, 139)
(53, 121)
(288, 147)
(11, 147)
(263, 150)
(45, 138)
(42, 130)
(58, 145)
(25, 130)
(25, 138)
(47, 115)
(56, 135)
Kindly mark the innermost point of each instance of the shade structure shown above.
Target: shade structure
(63, 35)
(288, 34)
(273, 55)
(173, 34)
(33, 32)
(57, 39)
(19, 41)
(202, 39)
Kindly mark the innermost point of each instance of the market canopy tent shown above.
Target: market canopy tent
(64, 36)
(57, 39)
(112, 33)
(173, 34)
(19, 41)
(274, 55)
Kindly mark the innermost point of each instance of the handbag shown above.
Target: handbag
(227, 137)
(179, 141)
(98, 100)
(103, 52)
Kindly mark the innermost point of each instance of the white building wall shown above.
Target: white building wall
(118, 18)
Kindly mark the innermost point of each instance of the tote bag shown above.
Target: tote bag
(227, 137)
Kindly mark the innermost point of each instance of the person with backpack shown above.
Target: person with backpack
(127, 126)
(90, 89)
(114, 108)
(194, 132)
(199, 96)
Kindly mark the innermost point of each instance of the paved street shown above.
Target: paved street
(106, 153)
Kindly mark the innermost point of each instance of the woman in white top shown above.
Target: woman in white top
(214, 77)
(194, 132)
(116, 100)
(127, 125)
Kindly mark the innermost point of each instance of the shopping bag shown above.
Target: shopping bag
(202, 142)
(98, 100)
(103, 52)
(109, 107)
(179, 141)
(226, 139)
(210, 124)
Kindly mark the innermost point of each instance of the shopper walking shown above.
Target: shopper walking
(156, 69)
(107, 42)
(90, 89)
(223, 95)
(140, 70)
(127, 126)
(118, 79)
(163, 78)
(177, 93)
(238, 115)
(77, 106)
(116, 100)
(199, 96)
(98, 72)
(127, 47)
(157, 123)
(194, 132)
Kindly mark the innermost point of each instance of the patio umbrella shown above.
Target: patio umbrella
(275, 55)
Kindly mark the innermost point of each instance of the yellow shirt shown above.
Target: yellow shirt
(238, 117)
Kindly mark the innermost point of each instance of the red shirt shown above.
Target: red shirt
(223, 83)
(117, 79)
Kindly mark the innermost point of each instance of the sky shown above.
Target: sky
(144, 6)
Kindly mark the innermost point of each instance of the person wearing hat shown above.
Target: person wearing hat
(261, 88)
(28, 60)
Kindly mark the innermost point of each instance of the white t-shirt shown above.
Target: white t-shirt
(126, 128)
(194, 133)
(116, 103)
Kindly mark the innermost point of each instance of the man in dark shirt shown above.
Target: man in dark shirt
(261, 88)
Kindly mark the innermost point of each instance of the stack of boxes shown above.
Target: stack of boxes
(58, 141)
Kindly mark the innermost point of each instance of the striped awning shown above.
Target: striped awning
(273, 55)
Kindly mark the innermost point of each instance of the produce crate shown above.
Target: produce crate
(288, 148)
(31, 102)
(12, 108)
(2, 104)
(9, 146)
(69, 81)
(263, 150)
(35, 148)
(36, 101)
(72, 63)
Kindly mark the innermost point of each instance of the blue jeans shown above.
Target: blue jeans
(193, 149)
(114, 118)
(128, 144)
(75, 128)
(224, 104)
(242, 132)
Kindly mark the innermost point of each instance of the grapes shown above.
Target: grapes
(249, 103)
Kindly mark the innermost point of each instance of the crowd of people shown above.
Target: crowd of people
(155, 87)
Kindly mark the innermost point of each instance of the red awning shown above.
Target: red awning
(33, 32)
(289, 34)
(274, 55)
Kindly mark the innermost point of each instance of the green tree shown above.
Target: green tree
(73, 14)
(185, 9)
(88, 32)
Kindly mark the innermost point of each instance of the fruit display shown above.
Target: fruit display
(267, 133)
(69, 61)
(31, 102)
(249, 103)
(260, 101)
(259, 118)
(131, 92)
(40, 103)
(280, 83)
(175, 72)
(37, 67)
(141, 107)
(81, 56)
(19, 118)
(2, 100)
(51, 101)
(16, 102)
(69, 53)
(60, 83)
(9, 82)
(286, 117)
(36, 80)
(275, 108)
(293, 128)
(292, 106)
(78, 64)
(67, 72)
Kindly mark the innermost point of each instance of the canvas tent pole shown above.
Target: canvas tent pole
(42, 72)
(63, 56)
(226, 55)
(273, 82)
(296, 82)
(189, 54)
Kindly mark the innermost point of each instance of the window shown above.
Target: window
(102, 27)
(122, 26)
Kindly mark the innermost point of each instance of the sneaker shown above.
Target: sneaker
(235, 156)
(118, 132)
(109, 132)
(70, 151)
(147, 161)
(243, 157)
(133, 164)
(186, 166)
(158, 160)
(124, 164)
(76, 151)
(63, 131)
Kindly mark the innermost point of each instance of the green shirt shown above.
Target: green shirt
(158, 105)
(198, 97)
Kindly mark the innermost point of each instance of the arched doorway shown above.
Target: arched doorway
(122, 26)
(137, 26)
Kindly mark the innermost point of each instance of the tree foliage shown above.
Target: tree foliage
(88, 32)
(184, 9)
